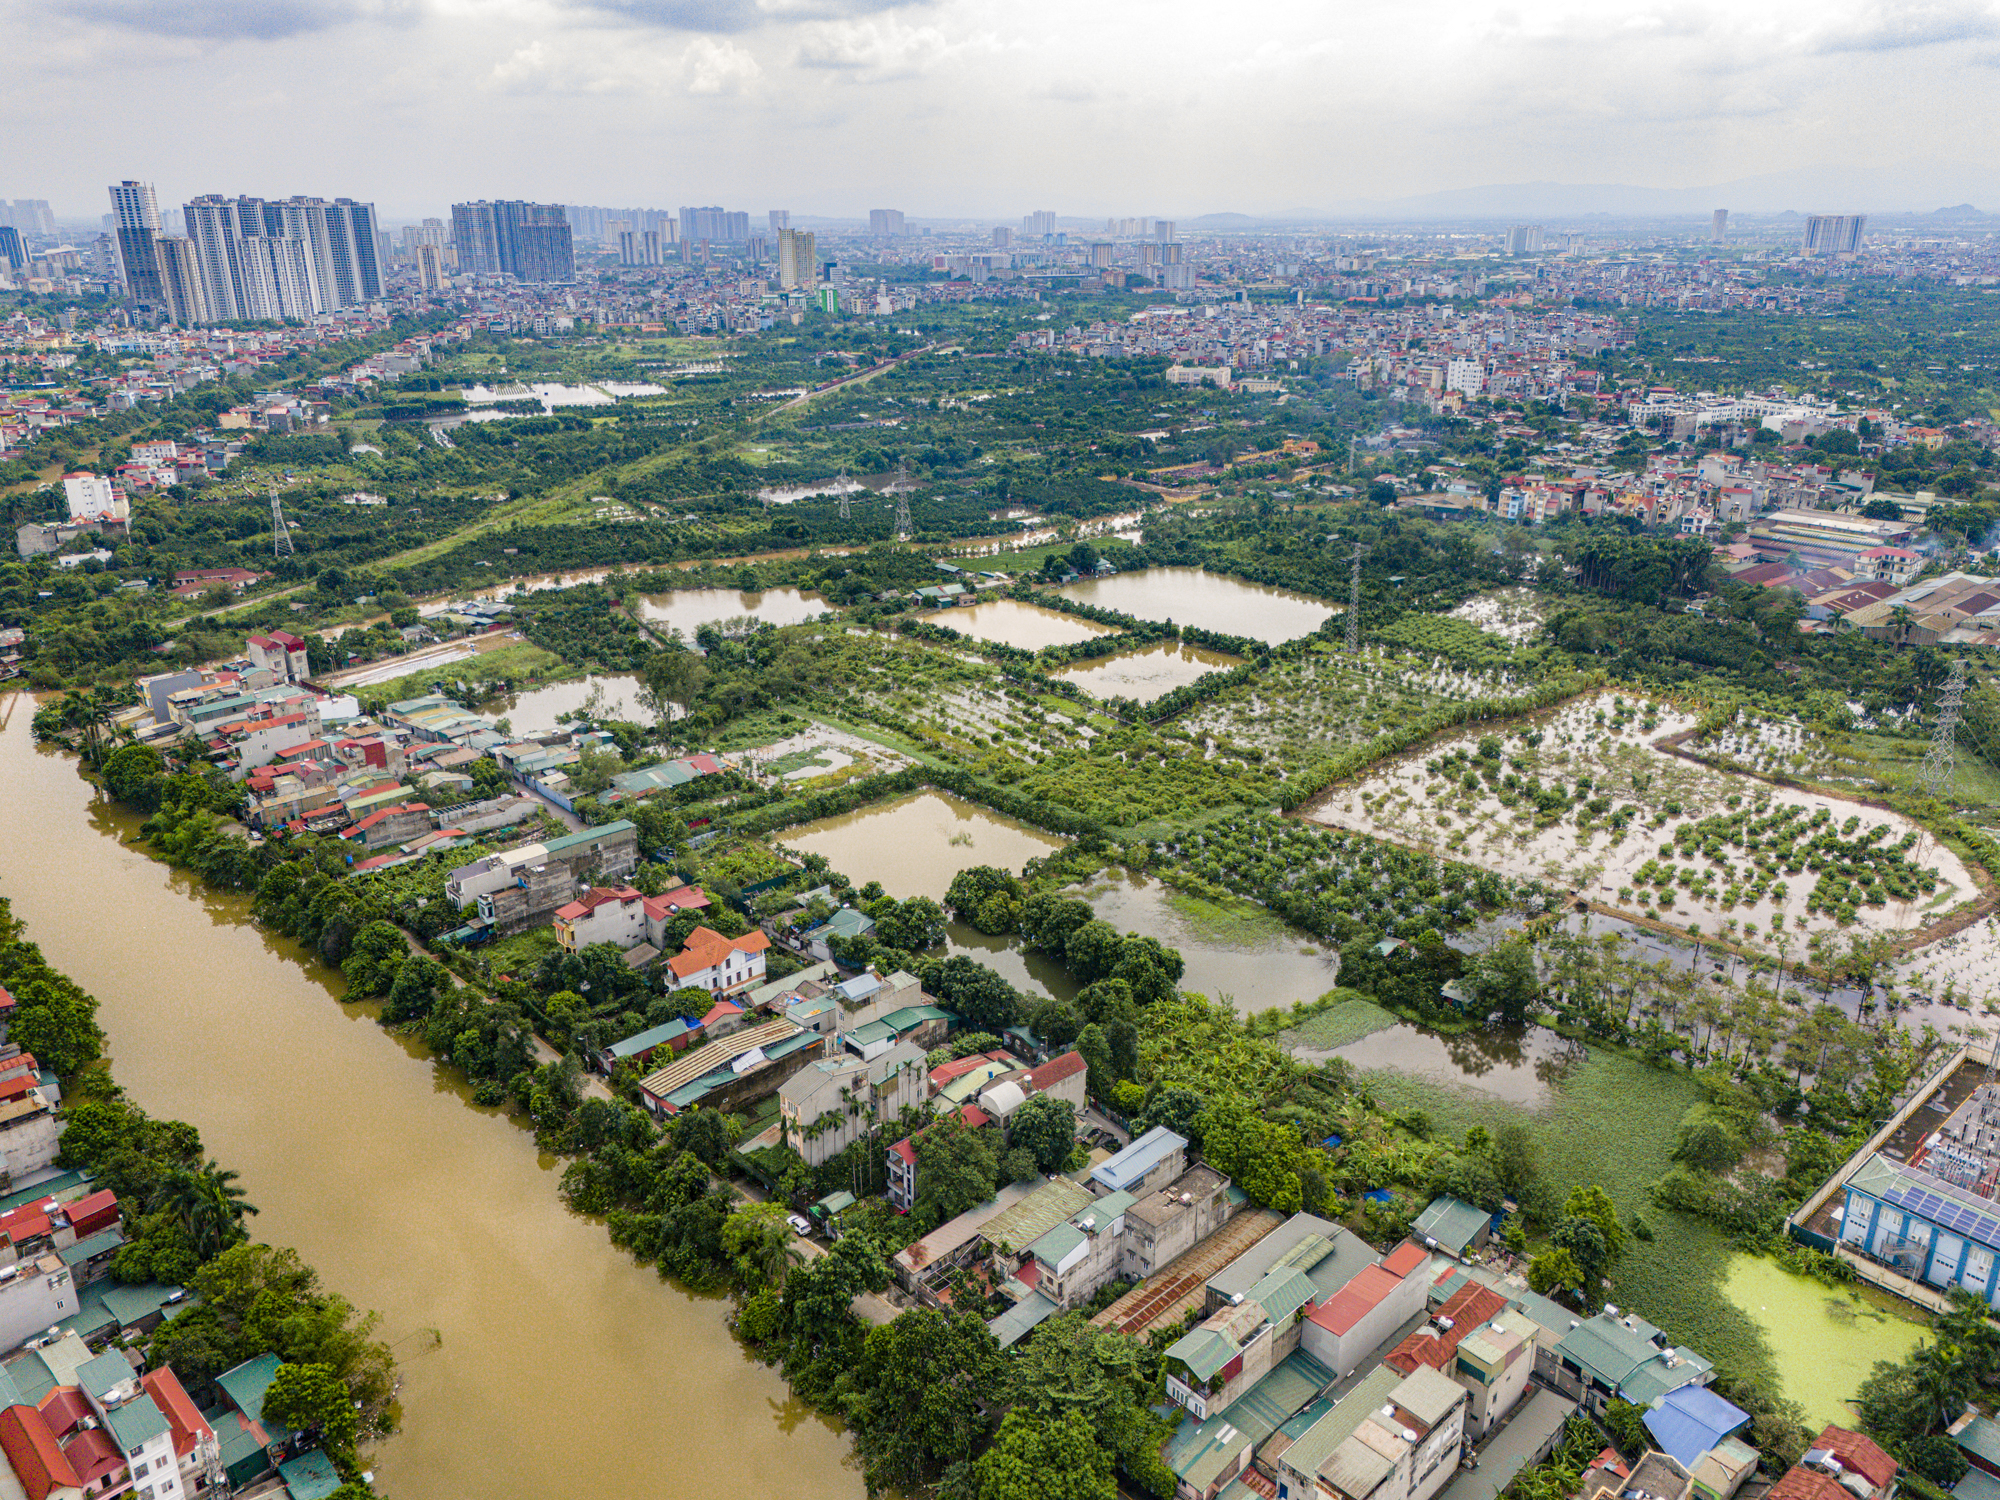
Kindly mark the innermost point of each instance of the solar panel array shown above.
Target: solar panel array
(1952, 1214)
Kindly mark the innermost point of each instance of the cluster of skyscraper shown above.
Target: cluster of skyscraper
(1835, 234)
(246, 259)
(528, 241)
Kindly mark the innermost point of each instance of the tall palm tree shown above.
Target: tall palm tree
(209, 1204)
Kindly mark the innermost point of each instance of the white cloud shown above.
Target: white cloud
(882, 48)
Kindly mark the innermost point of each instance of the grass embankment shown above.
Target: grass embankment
(524, 665)
(1611, 1120)
(1346, 1021)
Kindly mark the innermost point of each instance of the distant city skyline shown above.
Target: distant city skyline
(958, 111)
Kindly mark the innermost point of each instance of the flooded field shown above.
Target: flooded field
(1239, 951)
(1012, 623)
(1823, 1340)
(687, 610)
(1514, 614)
(916, 844)
(536, 712)
(1581, 799)
(1190, 596)
(1516, 1065)
(1147, 674)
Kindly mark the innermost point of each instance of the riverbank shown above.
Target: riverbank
(366, 1154)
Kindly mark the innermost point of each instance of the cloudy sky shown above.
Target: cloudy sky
(953, 108)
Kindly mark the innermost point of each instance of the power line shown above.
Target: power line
(1939, 772)
(281, 534)
(1354, 599)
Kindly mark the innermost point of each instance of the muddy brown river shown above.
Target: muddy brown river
(564, 1368)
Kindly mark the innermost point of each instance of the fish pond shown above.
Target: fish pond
(1194, 596)
(1148, 673)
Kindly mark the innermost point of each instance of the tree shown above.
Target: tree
(1056, 1024)
(957, 1167)
(1591, 1202)
(1583, 1241)
(419, 980)
(1505, 980)
(674, 679)
(1045, 1459)
(914, 1397)
(312, 1398)
(1260, 1156)
(1045, 1126)
(1514, 1157)
(1555, 1271)
(912, 925)
(1093, 951)
(759, 1238)
(58, 1025)
(209, 1205)
(1095, 1049)
(371, 964)
(980, 998)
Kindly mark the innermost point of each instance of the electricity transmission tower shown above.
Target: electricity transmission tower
(281, 534)
(903, 515)
(1941, 763)
(1354, 599)
(843, 505)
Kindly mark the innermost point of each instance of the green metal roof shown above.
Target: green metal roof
(1981, 1438)
(136, 1423)
(1337, 1426)
(104, 1373)
(1021, 1319)
(246, 1383)
(1451, 1222)
(1058, 1242)
(645, 1041)
(1283, 1292)
(105, 1239)
(1202, 1350)
(310, 1476)
(130, 1304)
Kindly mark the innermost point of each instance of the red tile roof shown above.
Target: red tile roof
(37, 1459)
(93, 1455)
(1467, 1308)
(1353, 1302)
(706, 948)
(1807, 1484)
(1055, 1070)
(98, 1210)
(1405, 1258)
(180, 1411)
(680, 899)
(974, 1116)
(904, 1149)
(1858, 1452)
(958, 1067)
(64, 1407)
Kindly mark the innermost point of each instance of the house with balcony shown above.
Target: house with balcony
(829, 1105)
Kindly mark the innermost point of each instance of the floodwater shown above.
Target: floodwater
(687, 610)
(1191, 596)
(1148, 673)
(1013, 623)
(620, 696)
(1255, 961)
(916, 844)
(1518, 1065)
(1823, 1339)
(558, 1353)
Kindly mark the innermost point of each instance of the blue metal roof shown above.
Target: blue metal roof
(1690, 1421)
(1136, 1160)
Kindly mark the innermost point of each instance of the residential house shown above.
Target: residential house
(829, 1105)
(1228, 1352)
(1346, 1327)
(710, 961)
(639, 1049)
(1408, 1449)
(728, 1073)
(1625, 1357)
(1153, 1160)
(1452, 1225)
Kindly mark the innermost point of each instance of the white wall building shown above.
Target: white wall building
(92, 497)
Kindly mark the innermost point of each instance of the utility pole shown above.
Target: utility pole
(1941, 763)
(281, 534)
(1354, 599)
